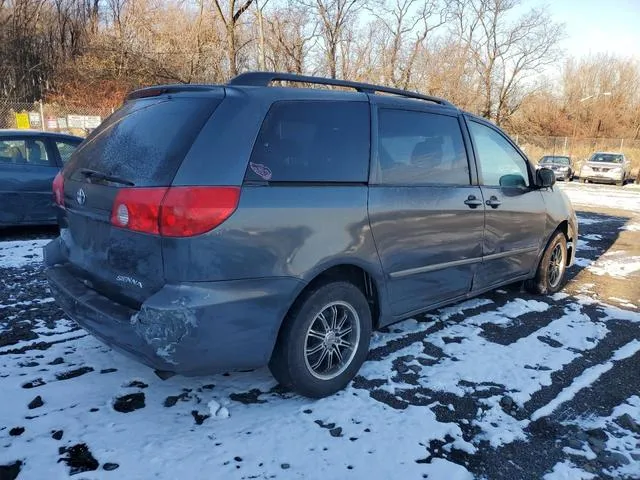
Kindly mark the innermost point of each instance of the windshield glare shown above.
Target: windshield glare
(551, 159)
(606, 158)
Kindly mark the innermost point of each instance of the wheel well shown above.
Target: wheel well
(564, 228)
(355, 275)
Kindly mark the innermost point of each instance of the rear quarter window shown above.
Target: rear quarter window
(146, 140)
(312, 141)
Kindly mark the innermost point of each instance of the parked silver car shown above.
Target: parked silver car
(606, 167)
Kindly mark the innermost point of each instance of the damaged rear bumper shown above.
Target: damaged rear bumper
(191, 329)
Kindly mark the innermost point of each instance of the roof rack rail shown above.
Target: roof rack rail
(263, 79)
(157, 90)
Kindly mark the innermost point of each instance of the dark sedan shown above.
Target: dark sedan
(561, 165)
(29, 161)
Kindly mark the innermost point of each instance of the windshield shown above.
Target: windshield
(606, 157)
(553, 159)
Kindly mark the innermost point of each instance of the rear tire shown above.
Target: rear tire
(551, 273)
(314, 354)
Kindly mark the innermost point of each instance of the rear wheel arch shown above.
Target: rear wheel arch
(363, 278)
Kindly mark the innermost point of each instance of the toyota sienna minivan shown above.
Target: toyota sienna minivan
(208, 228)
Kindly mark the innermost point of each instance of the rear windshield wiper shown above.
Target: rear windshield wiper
(91, 174)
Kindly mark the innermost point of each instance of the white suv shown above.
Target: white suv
(606, 167)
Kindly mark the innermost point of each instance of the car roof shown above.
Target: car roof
(608, 153)
(258, 84)
(37, 133)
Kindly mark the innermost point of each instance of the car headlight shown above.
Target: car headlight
(615, 170)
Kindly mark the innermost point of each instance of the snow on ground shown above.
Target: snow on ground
(568, 471)
(617, 264)
(506, 386)
(615, 436)
(21, 253)
(594, 195)
(408, 399)
(632, 227)
(588, 377)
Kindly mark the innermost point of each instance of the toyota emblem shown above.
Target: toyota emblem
(81, 197)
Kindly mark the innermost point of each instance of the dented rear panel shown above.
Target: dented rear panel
(142, 145)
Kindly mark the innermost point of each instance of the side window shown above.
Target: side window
(24, 152)
(418, 148)
(499, 162)
(65, 149)
(312, 141)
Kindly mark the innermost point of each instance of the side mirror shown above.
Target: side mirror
(545, 178)
(513, 181)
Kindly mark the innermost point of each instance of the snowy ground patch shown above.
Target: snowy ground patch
(21, 253)
(451, 394)
(618, 264)
(623, 198)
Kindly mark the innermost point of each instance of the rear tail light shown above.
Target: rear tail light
(174, 211)
(58, 189)
(138, 209)
(188, 211)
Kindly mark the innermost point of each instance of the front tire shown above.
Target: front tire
(551, 273)
(324, 340)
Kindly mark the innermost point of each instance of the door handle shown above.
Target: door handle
(472, 201)
(493, 202)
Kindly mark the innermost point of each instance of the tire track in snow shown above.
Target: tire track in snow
(586, 379)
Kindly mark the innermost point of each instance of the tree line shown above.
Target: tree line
(496, 58)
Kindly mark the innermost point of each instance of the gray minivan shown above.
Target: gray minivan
(207, 228)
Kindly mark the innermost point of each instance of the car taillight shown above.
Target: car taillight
(188, 211)
(138, 209)
(174, 211)
(58, 189)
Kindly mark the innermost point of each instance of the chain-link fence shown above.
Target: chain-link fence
(580, 149)
(51, 117)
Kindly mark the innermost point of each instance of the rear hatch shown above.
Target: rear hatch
(134, 154)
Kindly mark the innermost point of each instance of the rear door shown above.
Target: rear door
(515, 214)
(27, 169)
(426, 212)
(141, 146)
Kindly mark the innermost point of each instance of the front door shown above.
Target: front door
(515, 212)
(426, 216)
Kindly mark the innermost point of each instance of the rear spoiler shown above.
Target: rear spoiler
(164, 89)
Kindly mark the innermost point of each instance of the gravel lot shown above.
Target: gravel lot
(504, 386)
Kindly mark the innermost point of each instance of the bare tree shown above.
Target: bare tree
(231, 19)
(289, 36)
(333, 17)
(405, 25)
(506, 54)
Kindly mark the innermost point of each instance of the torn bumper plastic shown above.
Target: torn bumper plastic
(191, 329)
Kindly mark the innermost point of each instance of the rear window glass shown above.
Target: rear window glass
(145, 141)
(308, 141)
